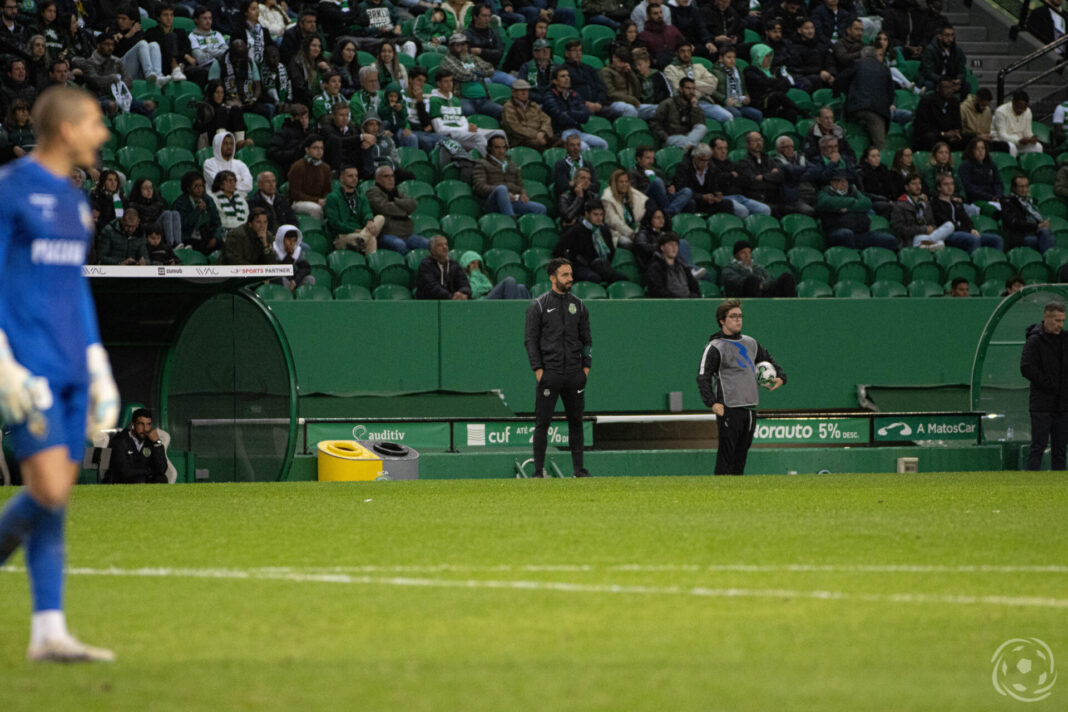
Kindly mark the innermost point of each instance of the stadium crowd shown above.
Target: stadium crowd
(683, 146)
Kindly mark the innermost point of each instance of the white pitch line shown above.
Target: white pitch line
(693, 568)
(568, 587)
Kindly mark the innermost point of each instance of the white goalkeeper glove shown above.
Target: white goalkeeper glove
(103, 394)
(21, 393)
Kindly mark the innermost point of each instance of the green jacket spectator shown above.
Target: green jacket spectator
(365, 103)
(121, 243)
(433, 29)
(719, 94)
(675, 117)
(346, 212)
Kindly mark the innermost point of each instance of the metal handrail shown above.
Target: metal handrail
(1027, 59)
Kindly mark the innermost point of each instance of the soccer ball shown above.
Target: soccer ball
(766, 374)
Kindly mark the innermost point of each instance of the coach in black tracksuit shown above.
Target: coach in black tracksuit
(728, 382)
(558, 344)
(1044, 363)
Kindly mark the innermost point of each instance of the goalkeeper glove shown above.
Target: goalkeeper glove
(103, 394)
(21, 393)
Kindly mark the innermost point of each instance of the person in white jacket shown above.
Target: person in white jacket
(1012, 124)
(223, 146)
(624, 208)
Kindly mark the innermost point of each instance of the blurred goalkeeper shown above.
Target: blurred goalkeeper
(55, 380)
(728, 380)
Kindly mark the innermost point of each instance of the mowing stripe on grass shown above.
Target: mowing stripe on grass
(293, 575)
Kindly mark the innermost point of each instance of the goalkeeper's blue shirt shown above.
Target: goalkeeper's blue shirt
(46, 307)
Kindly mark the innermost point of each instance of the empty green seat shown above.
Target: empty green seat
(351, 293)
(807, 289)
(888, 288)
(625, 290)
(851, 289)
(313, 293)
(270, 292)
(925, 288)
(392, 292)
(588, 290)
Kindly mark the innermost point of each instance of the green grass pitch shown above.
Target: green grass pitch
(841, 592)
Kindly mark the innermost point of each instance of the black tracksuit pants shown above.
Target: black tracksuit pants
(1049, 428)
(572, 389)
(736, 428)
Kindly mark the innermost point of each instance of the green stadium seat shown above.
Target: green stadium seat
(456, 196)
(502, 232)
(588, 290)
(252, 154)
(772, 128)
(596, 39)
(850, 289)
(768, 255)
(927, 271)
(795, 223)
(317, 241)
(1053, 207)
(625, 290)
(1039, 167)
(539, 288)
(595, 62)
(966, 269)
(484, 122)
(349, 267)
(425, 225)
(533, 225)
(925, 288)
(809, 238)
(429, 60)
(905, 99)
(1055, 257)
(1041, 192)
(515, 270)
(852, 272)
(666, 158)
(307, 223)
(129, 156)
(315, 259)
(736, 129)
(816, 272)
(949, 256)
(888, 288)
(800, 256)
(183, 89)
(807, 289)
(993, 288)
(772, 238)
(389, 268)
(414, 258)
(837, 256)
(875, 256)
(802, 99)
(323, 277)
(684, 222)
(1036, 273)
(191, 257)
(1020, 256)
(496, 258)
(997, 272)
(722, 255)
(699, 237)
(983, 256)
(535, 259)
(466, 240)
(453, 224)
(722, 222)
(270, 292)
(351, 293)
(170, 191)
(313, 293)
(709, 290)
(279, 174)
(756, 224)
(392, 292)
(202, 155)
(258, 129)
(175, 162)
(531, 165)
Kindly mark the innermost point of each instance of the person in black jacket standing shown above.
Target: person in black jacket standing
(559, 346)
(1044, 363)
(727, 379)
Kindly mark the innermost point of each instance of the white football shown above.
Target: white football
(766, 373)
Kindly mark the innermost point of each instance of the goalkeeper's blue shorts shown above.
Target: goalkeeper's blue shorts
(62, 424)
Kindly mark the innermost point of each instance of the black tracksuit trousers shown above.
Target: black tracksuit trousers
(572, 389)
(736, 428)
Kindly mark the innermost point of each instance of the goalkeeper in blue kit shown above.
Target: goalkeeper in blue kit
(55, 379)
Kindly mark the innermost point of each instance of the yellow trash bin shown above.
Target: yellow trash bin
(347, 461)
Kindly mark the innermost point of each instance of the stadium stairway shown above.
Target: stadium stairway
(983, 34)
